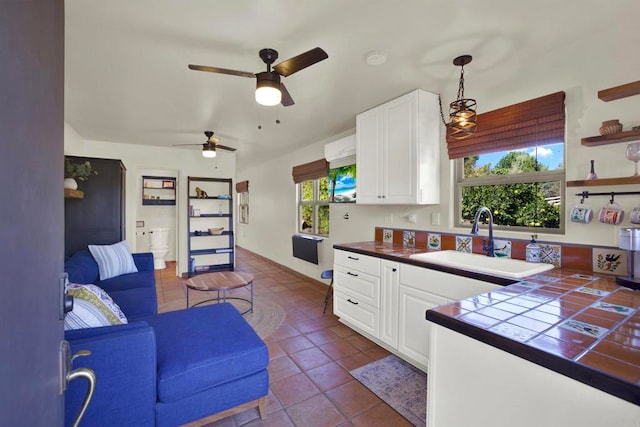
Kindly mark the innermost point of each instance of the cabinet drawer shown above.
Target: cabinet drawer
(357, 312)
(362, 285)
(356, 261)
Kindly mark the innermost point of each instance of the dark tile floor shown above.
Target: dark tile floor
(311, 355)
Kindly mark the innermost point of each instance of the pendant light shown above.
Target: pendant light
(462, 111)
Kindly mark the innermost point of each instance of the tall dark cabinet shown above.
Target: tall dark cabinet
(98, 217)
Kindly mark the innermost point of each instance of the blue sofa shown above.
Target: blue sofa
(192, 365)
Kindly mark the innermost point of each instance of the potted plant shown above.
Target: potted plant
(76, 171)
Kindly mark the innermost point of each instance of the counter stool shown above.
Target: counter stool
(327, 274)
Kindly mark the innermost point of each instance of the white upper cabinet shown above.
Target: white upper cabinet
(398, 151)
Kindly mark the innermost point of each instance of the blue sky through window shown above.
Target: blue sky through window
(551, 155)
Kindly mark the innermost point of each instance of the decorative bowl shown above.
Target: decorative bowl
(610, 126)
(216, 231)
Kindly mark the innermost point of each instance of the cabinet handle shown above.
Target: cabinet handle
(394, 269)
(352, 274)
(352, 302)
(353, 258)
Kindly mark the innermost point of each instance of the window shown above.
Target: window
(312, 184)
(313, 206)
(514, 165)
(524, 188)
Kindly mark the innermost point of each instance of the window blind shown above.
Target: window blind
(538, 121)
(309, 171)
(242, 187)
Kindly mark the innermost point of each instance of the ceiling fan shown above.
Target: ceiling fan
(209, 147)
(269, 89)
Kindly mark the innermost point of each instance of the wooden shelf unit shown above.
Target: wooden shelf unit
(614, 138)
(628, 180)
(207, 252)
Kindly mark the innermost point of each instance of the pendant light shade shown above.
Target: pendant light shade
(462, 111)
(268, 88)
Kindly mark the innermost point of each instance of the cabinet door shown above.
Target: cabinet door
(400, 151)
(389, 282)
(414, 329)
(369, 141)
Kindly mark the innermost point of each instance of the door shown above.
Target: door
(414, 329)
(31, 210)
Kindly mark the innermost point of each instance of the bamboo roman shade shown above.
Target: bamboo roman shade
(309, 171)
(242, 187)
(538, 121)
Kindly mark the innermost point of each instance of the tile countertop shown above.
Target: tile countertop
(584, 326)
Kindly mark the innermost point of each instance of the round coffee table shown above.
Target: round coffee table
(221, 281)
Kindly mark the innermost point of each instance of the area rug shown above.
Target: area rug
(266, 318)
(400, 385)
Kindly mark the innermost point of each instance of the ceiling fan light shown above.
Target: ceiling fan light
(268, 88)
(267, 95)
(208, 152)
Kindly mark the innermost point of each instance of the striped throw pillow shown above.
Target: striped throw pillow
(113, 260)
(92, 308)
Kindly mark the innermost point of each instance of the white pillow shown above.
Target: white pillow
(113, 260)
(92, 308)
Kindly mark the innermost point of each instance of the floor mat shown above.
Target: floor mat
(401, 385)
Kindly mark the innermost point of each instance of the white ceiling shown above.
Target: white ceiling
(127, 78)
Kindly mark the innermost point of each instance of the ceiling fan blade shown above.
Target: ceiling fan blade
(221, 71)
(185, 145)
(224, 147)
(286, 96)
(302, 61)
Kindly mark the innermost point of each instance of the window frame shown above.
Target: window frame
(523, 178)
(316, 203)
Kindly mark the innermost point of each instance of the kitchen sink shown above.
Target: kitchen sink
(494, 266)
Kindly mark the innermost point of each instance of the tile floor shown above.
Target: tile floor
(311, 355)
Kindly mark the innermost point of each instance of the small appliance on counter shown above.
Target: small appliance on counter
(629, 239)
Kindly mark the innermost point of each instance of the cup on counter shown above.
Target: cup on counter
(581, 214)
(634, 216)
(611, 214)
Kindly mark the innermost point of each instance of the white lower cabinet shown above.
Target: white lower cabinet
(387, 301)
(413, 340)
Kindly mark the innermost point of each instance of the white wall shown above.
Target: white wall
(139, 160)
(580, 69)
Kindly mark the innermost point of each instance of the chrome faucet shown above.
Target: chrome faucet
(486, 245)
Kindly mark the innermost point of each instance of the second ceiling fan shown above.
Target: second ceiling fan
(269, 89)
(209, 147)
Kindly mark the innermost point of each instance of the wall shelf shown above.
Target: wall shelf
(614, 138)
(158, 190)
(73, 194)
(619, 92)
(628, 180)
